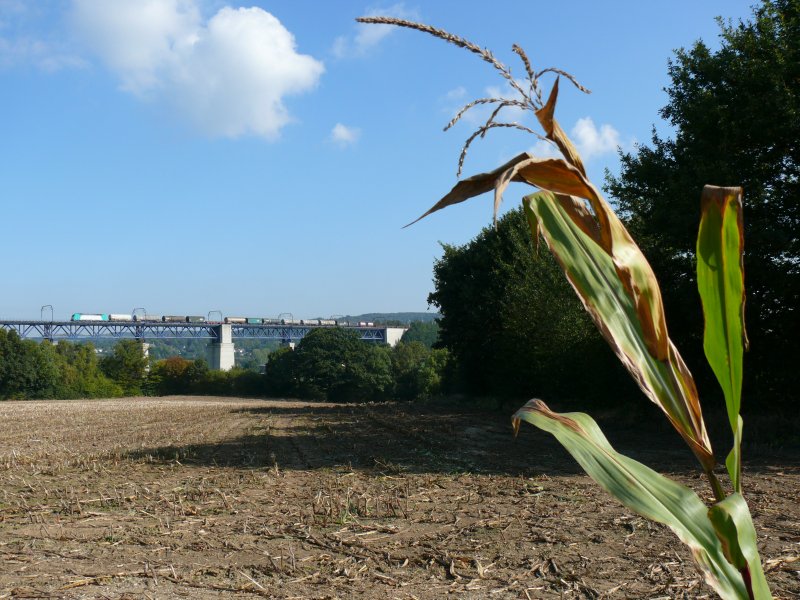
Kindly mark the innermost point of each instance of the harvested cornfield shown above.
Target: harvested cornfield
(188, 497)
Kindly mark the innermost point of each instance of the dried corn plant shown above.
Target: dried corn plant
(619, 290)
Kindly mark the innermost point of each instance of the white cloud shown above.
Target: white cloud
(344, 136)
(228, 76)
(507, 92)
(543, 149)
(592, 142)
(456, 93)
(138, 40)
(367, 36)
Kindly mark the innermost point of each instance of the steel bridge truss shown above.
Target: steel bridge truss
(292, 333)
(74, 330)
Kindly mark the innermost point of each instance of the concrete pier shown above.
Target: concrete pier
(394, 334)
(221, 349)
(146, 354)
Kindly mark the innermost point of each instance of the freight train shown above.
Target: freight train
(124, 318)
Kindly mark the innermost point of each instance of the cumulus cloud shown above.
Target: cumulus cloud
(366, 37)
(544, 149)
(592, 141)
(344, 136)
(228, 76)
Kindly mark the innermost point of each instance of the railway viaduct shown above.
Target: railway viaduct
(220, 335)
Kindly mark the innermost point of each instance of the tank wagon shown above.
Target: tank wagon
(125, 318)
(173, 319)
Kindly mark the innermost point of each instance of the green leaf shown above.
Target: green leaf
(734, 528)
(733, 462)
(594, 276)
(642, 490)
(720, 280)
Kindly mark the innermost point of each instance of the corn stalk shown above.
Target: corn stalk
(618, 288)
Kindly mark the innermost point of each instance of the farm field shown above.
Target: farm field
(199, 497)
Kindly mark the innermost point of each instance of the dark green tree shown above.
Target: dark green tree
(196, 372)
(736, 118)
(31, 370)
(27, 370)
(417, 370)
(280, 373)
(334, 364)
(422, 331)
(408, 362)
(127, 366)
(14, 374)
(79, 372)
(169, 376)
(512, 323)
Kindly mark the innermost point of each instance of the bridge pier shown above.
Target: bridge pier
(146, 354)
(222, 356)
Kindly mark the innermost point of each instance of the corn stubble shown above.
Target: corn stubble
(618, 288)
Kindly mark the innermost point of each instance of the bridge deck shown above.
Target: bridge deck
(73, 330)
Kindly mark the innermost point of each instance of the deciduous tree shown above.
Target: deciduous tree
(736, 118)
(127, 366)
(513, 324)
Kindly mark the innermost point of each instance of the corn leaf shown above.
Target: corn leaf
(632, 268)
(593, 275)
(734, 528)
(642, 490)
(568, 177)
(546, 117)
(630, 314)
(549, 170)
(720, 280)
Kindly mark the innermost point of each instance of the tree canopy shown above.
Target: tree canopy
(127, 366)
(736, 118)
(42, 370)
(426, 332)
(417, 370)
(331, 364)
(514, 325)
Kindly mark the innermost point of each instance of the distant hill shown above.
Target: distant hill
(402, 317)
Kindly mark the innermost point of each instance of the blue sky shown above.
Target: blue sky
(261, 157)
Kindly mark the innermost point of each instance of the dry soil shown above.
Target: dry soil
(189, 497)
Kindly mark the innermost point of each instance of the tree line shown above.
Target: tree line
(43, 370)
(328, 364)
